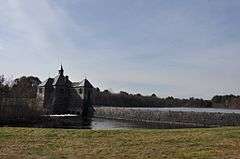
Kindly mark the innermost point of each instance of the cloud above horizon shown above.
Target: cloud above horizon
(170, 48)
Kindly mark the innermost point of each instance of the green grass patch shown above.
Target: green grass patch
(135, 143)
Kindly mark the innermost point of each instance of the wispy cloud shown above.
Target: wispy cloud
(179, 48)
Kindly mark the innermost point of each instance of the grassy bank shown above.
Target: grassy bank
(62, 143)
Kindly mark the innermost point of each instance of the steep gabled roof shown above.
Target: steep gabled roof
(56, 79)
(84, 83)
(49, 81)
(61, 80)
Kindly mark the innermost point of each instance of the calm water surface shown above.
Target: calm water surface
(105, 124)
(75, 122)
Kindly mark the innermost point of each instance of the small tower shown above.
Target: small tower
(61, 71)
(60, 93)
(87, 96)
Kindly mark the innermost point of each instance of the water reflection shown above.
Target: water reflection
(106, 124)
(76, 122)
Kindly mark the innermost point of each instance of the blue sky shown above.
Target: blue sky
(168, 47)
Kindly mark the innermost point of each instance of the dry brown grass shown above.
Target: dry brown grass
(62, 143)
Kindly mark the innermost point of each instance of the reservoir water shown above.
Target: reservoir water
(103, 123)
(75, 122)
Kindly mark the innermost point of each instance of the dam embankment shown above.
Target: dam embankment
(193, 117)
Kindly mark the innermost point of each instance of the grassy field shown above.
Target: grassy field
(62, 143)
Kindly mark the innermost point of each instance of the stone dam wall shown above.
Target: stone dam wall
(190, 118)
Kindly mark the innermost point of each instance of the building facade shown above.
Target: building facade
(59, 95)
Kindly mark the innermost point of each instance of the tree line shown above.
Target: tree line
(124, 99)
(26, 87)
(23, 87)
(18, 100)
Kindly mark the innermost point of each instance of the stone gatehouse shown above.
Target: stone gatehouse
(59, 95)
